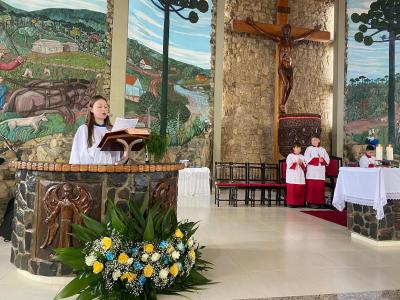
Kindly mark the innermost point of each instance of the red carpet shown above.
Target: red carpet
(338, 217)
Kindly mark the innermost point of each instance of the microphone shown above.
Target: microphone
(11, 147)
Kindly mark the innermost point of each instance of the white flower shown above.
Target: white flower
(156, 256)
(116, 274)
(190, 242)
(175, 255)
(163, 274)
(90, 259)
(130, 261)
(145, 257)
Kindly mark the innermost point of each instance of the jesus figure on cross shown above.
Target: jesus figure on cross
(286, 42)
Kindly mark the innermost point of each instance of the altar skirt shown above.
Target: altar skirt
(315, 191)
(295, 194)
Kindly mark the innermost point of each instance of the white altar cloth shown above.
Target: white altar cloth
(194, 182)
(367, 186)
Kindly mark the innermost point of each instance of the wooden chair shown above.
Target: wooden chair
(229, 176)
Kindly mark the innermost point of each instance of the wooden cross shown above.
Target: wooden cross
(283, 11)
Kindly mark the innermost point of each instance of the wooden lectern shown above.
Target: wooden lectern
(128, 140)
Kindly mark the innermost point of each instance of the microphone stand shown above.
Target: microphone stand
(10, 147)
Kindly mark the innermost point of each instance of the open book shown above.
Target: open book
(122, 130)
(122, 124)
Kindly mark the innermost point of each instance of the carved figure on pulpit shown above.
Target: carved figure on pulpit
(285, 42)
(63, 204)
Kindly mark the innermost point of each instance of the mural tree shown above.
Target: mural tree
(382, 17)
(174, 6)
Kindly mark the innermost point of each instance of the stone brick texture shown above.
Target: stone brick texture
(249, 78)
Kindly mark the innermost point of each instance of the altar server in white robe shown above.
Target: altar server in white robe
(88, 136)
(295, 181)
(317, 159)
(368, 160)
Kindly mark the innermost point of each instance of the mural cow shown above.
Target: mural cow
(65, 96)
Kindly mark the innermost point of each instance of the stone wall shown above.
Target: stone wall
(249, 78)
(120, 187)
(107, 71)
(248, 91)
(361, 219)
(313, 65)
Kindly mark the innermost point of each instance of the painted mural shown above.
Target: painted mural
(372, 113)
(189, 101)
(52, 60)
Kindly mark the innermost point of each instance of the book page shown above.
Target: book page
(122, 124)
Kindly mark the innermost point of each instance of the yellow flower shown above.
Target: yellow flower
(123, 258)
(148, 271)
(178, 233)
(106, 243)
(192, 255)
(174, 269)
(148, 248)
(97, 267)
(128, 276)
(170, 249)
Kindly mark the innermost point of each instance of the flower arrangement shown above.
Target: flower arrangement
(136, 254)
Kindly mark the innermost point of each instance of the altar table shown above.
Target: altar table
(194, 182)
(367, 186)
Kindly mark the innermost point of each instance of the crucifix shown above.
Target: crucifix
(285, 37)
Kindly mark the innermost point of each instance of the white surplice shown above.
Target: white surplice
(316, 172)
(295, 176)
(365, 161)
(81, 154)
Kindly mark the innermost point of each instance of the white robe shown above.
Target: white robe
(81, 154)
(295, 176)
(316, 172)
(365, 161)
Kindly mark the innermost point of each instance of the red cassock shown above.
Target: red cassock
(315, 183)
(295, 182)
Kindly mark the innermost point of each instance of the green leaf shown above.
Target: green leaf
(148, 234)
(145, 203)
(355, 17)
(116, 221)
(73, 257)
(74, 287)
(198, 279)
(93, 224)
(87, 294)
(135, 211)
(359, 37)
(363, 28)
(82, 233)
(368, 41)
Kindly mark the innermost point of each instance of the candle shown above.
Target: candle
(379, 152)
(389, 152)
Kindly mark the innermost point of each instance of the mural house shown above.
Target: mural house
(44, 46)
(133, 88)
(145, 64)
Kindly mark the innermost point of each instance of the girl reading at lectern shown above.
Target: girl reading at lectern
(88, 136)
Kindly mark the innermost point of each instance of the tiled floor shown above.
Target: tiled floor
(258, 253)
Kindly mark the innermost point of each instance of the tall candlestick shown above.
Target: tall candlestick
(389, 152)
(379, 152)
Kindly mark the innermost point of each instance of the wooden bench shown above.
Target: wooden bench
(249, 177)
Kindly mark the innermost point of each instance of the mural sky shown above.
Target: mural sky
(189, 43)
(371, 61)
(31, 5)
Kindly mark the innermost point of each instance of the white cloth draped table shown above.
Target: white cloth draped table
(367, 186)
(194, 182)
